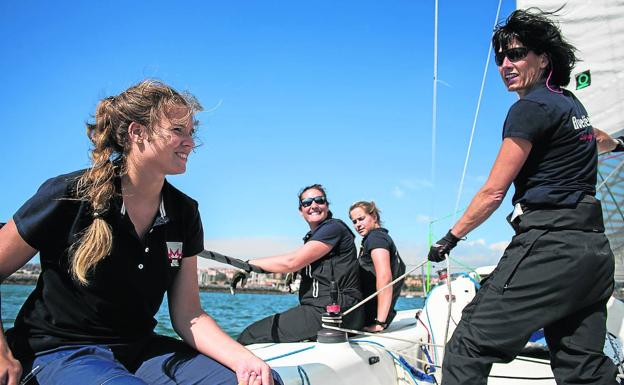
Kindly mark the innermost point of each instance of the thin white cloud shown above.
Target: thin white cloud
(422, 218)
(499, 246)
(479, 252)
(477, 178)
(412, 254)
(416, 184)
(476, 242)
(398, 192)
(406, 185)
(444, 83)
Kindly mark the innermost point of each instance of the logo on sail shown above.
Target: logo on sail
(583, 80)
(174, 252)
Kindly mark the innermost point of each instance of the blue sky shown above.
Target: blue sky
(295, 93)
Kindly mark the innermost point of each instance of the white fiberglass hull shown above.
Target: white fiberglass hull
(375, 360)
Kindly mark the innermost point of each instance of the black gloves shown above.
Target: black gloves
(441, 249)
(289, 282)
(620, 144)
(239, 276)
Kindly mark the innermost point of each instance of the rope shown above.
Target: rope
(390, 351)
(380, 290)
(303, 375)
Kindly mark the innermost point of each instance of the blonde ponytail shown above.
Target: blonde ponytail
(145, 104)
(97, 187)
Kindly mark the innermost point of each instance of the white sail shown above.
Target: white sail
(596, 29)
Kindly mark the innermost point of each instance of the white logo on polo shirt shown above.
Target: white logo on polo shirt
(174, 252)
(582, 122)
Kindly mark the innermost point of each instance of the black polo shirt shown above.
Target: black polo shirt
(561, 167)
(379, 239)
(339, 265)
(125, 289)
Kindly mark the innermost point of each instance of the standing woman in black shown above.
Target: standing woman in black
(328, 254)
(557, 272)
(380, 264)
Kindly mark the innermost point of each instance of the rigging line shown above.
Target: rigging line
(476, 116)
(362, 302)
(434, 115)
(435, 94)
(615, 170)
(610, 157)
(461, 184)
(615, 203)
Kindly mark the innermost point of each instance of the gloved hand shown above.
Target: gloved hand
(441, 249)
(239, 276)
(290, 279)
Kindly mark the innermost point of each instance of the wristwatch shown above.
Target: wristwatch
(620, 144)
(382, 324)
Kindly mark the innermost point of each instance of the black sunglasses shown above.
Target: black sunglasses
(319, 200)
(513, 54)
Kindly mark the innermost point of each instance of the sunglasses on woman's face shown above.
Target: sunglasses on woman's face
(319, 200)
(513, 54)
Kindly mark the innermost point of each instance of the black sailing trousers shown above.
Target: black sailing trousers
(556, 279)
(297, 324)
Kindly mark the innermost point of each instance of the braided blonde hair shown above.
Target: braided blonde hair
(144, 103)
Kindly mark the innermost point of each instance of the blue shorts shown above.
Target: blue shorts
(97, 365)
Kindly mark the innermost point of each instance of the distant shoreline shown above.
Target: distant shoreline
(24, 279)
(31, 279)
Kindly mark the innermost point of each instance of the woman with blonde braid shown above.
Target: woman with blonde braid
(112, 240)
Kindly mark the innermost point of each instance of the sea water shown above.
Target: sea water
(232, 312)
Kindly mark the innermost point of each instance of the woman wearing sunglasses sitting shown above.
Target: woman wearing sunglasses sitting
(328, 255)
(380, 264)
(557, 272)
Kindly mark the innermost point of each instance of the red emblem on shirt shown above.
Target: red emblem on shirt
(174, 252)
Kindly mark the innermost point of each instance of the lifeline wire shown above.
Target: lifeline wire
(383, 288)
